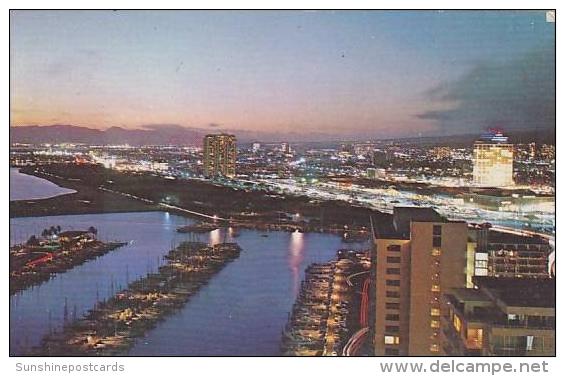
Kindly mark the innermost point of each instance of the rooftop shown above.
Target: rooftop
(404, 215)
(520, 292)
(508, 238)
(469, 295)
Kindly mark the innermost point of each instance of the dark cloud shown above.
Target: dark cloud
(519, 94)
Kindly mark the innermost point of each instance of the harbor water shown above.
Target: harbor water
(28, 187)
(241, 311)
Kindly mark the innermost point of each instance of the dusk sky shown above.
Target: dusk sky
(349, 73)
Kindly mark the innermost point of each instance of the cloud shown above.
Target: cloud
(518, 94)
(214, 125)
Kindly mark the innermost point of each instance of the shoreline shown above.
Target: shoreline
(85, 200)
(101, 190)
(39, 198)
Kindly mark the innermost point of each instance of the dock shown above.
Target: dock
(111, 327)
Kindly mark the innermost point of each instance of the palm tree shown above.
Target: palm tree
(32, 241)
(93, 230)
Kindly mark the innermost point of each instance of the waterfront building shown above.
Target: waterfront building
(417, 257)
(493, 161)
(220, 153)
(500, 317)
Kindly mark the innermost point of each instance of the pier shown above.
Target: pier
(111, 327)
(325, 312)
(53, 252)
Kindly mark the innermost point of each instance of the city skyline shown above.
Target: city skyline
(345, 74)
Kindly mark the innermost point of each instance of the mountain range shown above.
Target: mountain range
(158, 134)
(170, 134)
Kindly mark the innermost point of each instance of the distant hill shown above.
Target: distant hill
(158, 134)
(111, 136)
(178, 135)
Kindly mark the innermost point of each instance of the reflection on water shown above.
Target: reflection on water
(241, 311)
(295, 258)
(37, 310)
(215, 237)
(244, 307)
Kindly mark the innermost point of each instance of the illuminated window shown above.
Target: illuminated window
(436, 252)
(434, 324)
(434, 347)
(457, 323)
(475, 338)
(435, 288)
(392, 340)
(434, 312)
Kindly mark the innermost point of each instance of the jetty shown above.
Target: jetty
(111, 327)
(54, 252)
(321, 320)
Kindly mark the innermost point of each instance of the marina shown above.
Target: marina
(231, 303)
(110, 327)
(325, 311)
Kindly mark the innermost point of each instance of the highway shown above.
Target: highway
(358, 338)
(168, 206)
(385, 200)
(348, 279)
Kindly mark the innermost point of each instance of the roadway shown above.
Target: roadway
(358, 338)
(168, 206)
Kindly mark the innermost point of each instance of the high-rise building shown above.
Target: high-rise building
(285, 148)
(417, 258)
(493, 161)
(501, 317)
(256, 147)
(219, 155)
